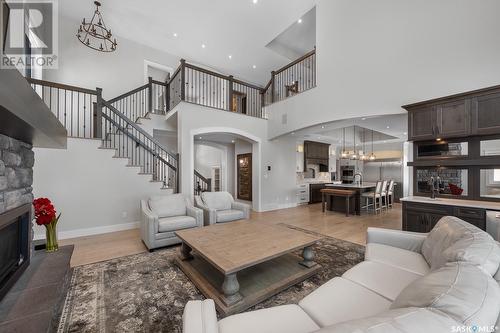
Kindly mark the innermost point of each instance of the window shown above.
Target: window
(490, 183)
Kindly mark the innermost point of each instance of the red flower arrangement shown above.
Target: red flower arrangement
(45, 214)
(44, 211)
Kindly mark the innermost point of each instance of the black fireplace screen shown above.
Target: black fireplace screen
(10, 249)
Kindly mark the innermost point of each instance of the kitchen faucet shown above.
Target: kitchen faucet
(360, 175)
(435, 186)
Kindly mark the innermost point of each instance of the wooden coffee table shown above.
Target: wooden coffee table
(240, 264)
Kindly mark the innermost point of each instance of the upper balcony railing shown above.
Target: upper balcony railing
(292, 79)
(200, 86)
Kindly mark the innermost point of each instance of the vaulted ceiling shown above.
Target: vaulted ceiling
(237, 28)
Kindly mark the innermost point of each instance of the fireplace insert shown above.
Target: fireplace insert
(15, 237)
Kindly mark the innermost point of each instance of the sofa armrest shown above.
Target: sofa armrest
(243, 207)
(149, 225)
(209, 215)
(405, 240)
(200, 317)
(197, 213)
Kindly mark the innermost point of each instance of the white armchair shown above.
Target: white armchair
(219, 207)
(163, 215)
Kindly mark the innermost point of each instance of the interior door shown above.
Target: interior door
(244, 175)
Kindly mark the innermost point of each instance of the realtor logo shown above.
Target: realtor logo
(29, 34)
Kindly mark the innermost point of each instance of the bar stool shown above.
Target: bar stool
(390, 194)
(375, 196)
(383, 194)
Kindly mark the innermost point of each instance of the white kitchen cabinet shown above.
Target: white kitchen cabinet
(302, 194)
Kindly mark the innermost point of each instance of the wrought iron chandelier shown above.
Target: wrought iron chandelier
(95, 34)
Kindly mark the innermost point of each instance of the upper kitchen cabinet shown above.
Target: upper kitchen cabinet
(472, 113)
(422, 123)
(485, 114)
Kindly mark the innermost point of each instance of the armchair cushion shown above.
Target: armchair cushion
(460, 290)
(279, 319)
(243, 207)
(229, 215)
(455, 240)
(217, 200)
(174, 223)
(393, 256)
(168, 205)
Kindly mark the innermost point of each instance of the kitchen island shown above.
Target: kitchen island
(338, 204)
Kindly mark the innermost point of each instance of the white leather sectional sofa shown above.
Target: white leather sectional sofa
(444, 281)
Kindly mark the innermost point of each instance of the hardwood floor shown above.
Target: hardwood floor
(97, 248)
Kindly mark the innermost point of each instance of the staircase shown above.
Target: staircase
(85, 114)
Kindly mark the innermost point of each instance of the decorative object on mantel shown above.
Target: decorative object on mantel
(95, 34)
(45, 214)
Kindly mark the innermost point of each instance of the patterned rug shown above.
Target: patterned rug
(147, 292)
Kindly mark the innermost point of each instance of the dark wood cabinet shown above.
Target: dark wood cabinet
(453, 119)
(421, 217)
(422, 123)
(315, 192)
(485, 114)
(472, 113)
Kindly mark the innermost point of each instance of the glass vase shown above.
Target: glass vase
(51, 238)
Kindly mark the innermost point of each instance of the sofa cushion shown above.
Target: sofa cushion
(461, 290)
(407, 320)
(217, 200)
(385, 280)
(229, 215)
(168, 205)
(338, 300)
(455, 240)
(278, 319)
(176, 223)
(394, 256)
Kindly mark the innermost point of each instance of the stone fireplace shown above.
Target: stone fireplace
(16, 177)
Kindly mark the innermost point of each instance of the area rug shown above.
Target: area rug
(147, 292)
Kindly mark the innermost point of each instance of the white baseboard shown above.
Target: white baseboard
(91, 231)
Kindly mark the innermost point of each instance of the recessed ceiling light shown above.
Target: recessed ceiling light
(175, 34)
(300, 20)
(255, 1)
(388, 127)
(233, 141)
(203, 46)
(404, 133)
(293, 133)
(254, 66)
(322, 126)
(363, 118)
(230, 56)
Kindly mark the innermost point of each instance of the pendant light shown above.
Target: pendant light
(344, 153)
(354, 156)
(372, 155)
(362, 155)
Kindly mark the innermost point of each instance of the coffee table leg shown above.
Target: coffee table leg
(230, 288)
(186, 252)
(308, 255)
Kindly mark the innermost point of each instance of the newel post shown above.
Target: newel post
(230, 92)
(273, 73)
(183, 80)
(150, 94)
(98, 114)
(167, 93)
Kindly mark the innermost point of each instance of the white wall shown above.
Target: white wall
(271, 189)
(116, 72)
(95, 192)
(374, 56)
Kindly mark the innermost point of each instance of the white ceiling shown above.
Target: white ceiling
(227, 27)
(298, 39)
(388, 128)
